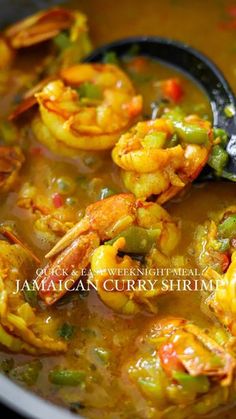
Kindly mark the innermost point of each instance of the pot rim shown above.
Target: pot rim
(30, 405)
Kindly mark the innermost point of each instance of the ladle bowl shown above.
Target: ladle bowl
(195, 65)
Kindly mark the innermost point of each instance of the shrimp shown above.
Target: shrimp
(88, 108)
(53, 24)
(118, 280)
(143, 225)
(214, 248)
(223, 299)
(67, 42)
(180, 370)
(160, 157)
(11, 161)
(19, 321)
(215, 240)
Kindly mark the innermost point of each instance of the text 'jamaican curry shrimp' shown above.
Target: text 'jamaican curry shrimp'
(22, 327)
(160, 157)
(88, 108)
(116, 224)
(180, 370)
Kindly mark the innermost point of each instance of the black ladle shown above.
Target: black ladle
(197, 66)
